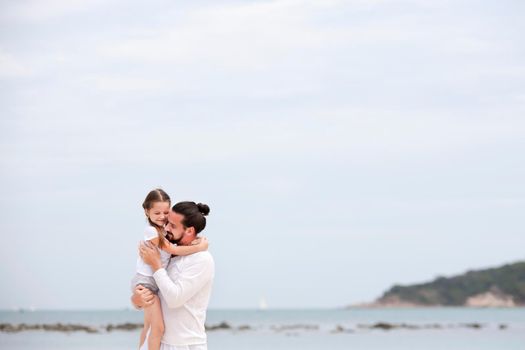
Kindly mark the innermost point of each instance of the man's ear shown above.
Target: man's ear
(190, 230)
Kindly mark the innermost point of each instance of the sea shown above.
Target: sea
(353, 328)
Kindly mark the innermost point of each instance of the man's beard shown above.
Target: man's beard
(169, 237)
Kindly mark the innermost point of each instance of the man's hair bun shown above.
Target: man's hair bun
(203, 208)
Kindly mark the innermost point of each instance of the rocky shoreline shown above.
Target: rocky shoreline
(488, 299)
(224, 326)
(67, 328)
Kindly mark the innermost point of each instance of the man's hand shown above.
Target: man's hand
(142, 297)
(150, 254)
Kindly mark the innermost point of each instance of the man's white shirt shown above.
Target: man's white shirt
(185, 289)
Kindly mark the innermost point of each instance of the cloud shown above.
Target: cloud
(11, 67)
(298, 48)
(124, 83)
(35, 10)
(235, 37)
(264, 34)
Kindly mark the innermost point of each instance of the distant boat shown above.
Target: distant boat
(262, 304)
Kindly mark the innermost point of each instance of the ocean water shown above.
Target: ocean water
(292, 329)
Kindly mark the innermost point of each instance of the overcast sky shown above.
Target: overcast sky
(342, 146)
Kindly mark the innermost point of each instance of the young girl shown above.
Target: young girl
(156, 207)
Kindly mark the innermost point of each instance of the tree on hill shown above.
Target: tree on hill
(454, 291)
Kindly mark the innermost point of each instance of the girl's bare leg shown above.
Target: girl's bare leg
(154, 314)
(144, 331)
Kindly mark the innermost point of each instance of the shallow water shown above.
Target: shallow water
(292, 329)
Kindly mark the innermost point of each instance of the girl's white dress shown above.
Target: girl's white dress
(144, 273)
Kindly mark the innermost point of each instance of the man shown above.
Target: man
(185, 286)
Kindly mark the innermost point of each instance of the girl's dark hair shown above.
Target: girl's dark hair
(194, 214)
(157, 195)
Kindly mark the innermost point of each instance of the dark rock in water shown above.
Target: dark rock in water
(433, 326)
(244, 327)
(124, 327)
(503, 326)
(69, 328)
(294, 327)
(472, 325)
(338, 329)
(382, 325)
(7, 328)
(409, 326)
(222, 325)
(341, 329)
(91, 330)
(57, 327)
(389, 326)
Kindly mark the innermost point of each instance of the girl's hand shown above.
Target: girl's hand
(201, 242)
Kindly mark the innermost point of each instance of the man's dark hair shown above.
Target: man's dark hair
(194, 214)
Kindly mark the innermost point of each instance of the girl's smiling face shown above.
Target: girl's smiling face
(158, 214)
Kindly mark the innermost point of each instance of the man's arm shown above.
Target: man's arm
(188, 283)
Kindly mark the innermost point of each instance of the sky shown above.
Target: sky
(342, 146)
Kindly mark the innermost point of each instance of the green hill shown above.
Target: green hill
(473, 288)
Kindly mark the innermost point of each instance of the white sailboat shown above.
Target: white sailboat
(262, 304)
